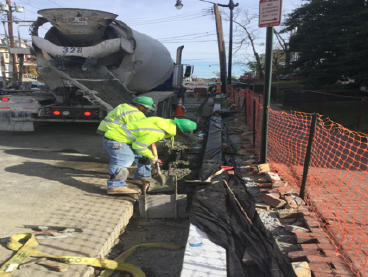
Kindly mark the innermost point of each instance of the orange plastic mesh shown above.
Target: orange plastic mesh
(238, 96)
(337, 184)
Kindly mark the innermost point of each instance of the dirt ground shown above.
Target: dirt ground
(163, 262)
(185, 161)
(154, 262)
(158, 262)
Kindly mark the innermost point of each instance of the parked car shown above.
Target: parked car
(36, 84)
(32, 85)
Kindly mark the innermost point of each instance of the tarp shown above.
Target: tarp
(215, 156)
(216, 212)
(212, 158)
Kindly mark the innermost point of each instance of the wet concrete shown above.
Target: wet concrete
(180, 143)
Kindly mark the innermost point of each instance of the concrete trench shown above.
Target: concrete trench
(185, 162)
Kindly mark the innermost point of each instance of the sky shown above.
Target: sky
(192, 26)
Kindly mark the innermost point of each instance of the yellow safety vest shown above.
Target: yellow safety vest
(142, 133)
(122, 114)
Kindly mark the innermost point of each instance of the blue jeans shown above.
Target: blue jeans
(122, 156)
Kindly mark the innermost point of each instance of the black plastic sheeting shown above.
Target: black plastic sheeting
(212, 158)
(228, 159)
(215, 212)
(215, 156)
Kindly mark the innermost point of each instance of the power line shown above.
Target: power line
(200, 53)
(188, 35)
(171, 18)
(157, 20)
(161, 18)
(200, 59)
(182, 15)
(163, 21)
(163, 40)
(29, 5)
(207, 65)
(182, 41)
(56, 4)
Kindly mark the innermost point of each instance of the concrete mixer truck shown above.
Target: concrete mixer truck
(91, 63)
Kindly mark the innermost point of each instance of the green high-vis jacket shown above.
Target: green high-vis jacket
(122, 114)
(142, 133)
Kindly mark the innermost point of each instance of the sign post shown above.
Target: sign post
(269, 16)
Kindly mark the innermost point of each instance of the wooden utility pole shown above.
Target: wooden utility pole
(12, 60)
(221, 46)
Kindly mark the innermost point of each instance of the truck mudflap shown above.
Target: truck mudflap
(8, 123)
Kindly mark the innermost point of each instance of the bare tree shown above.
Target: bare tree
(277, 55)
(285, 47)
(246, 33)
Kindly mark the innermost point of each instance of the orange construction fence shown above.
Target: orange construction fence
(337, 184)
(247, 100)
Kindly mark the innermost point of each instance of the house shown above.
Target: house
(29, 64)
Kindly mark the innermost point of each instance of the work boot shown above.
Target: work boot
(121, 190)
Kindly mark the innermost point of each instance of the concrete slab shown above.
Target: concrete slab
(57, 176)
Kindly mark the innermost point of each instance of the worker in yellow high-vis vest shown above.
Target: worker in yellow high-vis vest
(123, 114)
(121, 143)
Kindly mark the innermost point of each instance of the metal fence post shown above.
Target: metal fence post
(266, 94)
(245, 109)
(362, 102)
(308, 155)
(254, 123)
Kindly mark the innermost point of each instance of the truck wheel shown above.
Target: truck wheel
(169, 108)
(161, 109)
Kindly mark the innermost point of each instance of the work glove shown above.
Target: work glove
(144, 160)
(154, 160)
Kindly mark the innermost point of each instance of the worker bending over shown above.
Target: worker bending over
(123, 114)
(123, 141)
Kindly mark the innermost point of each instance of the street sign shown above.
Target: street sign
(269, 13)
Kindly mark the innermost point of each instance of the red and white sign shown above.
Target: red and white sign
(269, 13)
